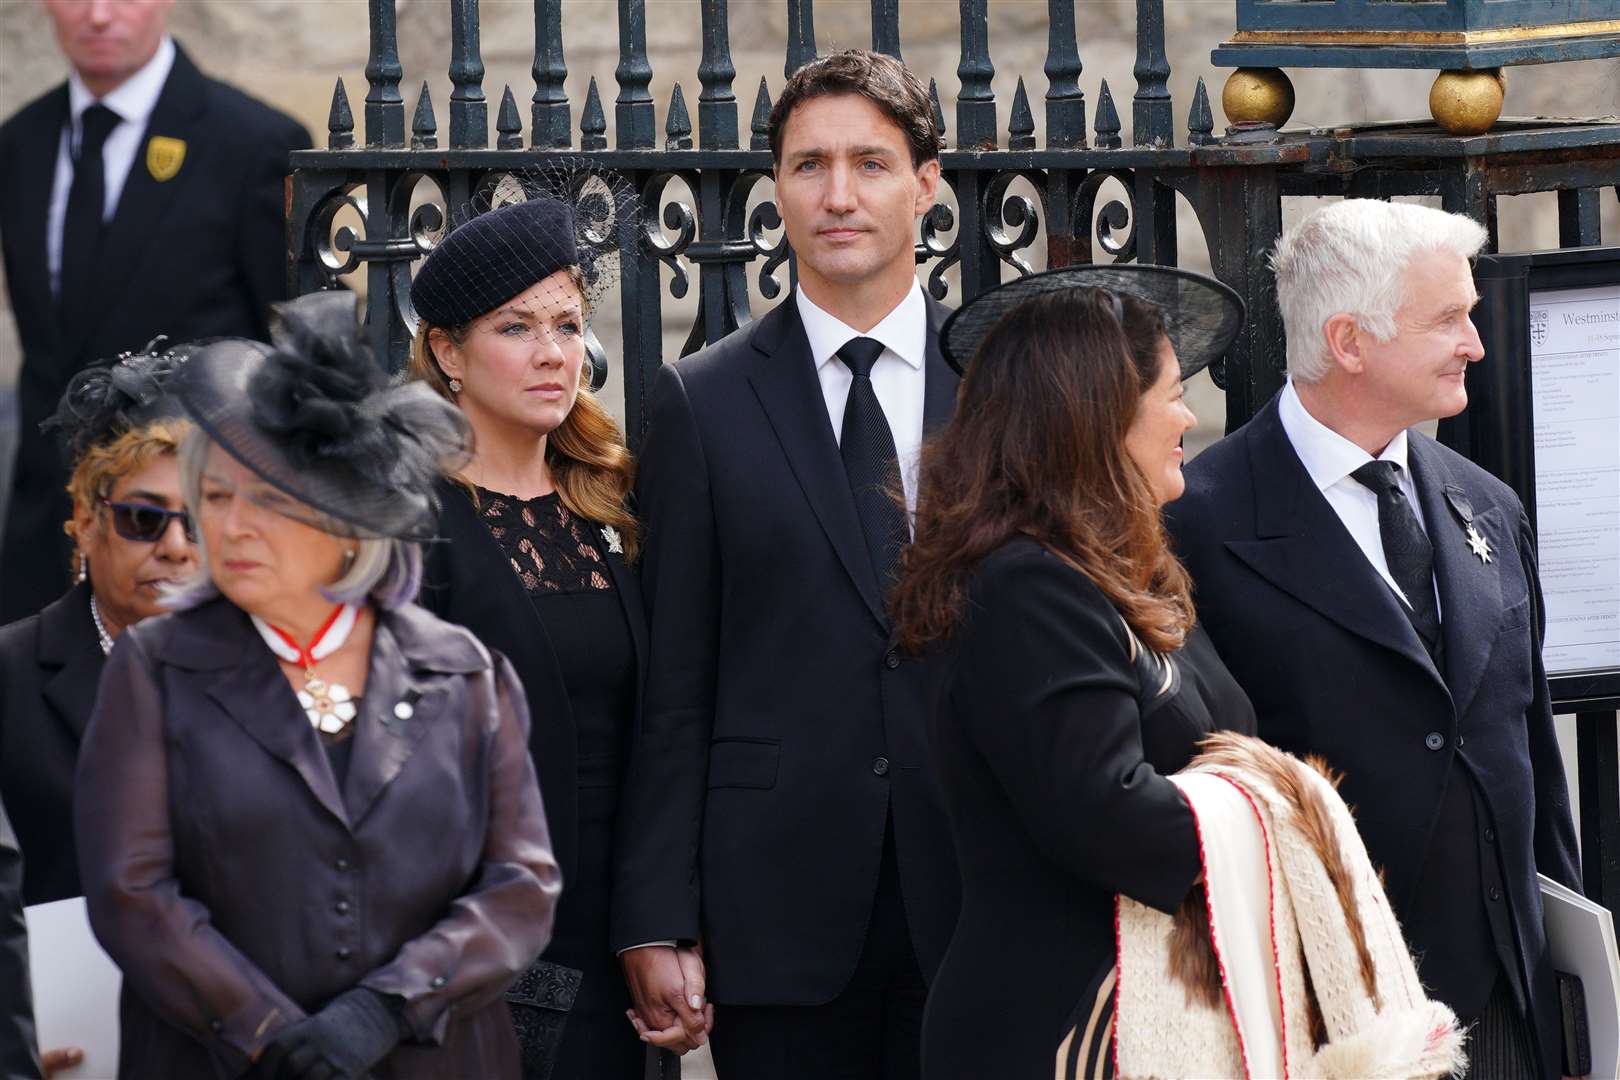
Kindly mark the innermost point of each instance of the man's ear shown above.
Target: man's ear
(927, 186)
(1345, 342)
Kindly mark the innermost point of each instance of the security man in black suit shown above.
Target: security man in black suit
(138, 198)
(1375, 594)
(19, 1058)
(779, 807)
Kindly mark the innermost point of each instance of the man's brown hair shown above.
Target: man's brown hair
(880, 79)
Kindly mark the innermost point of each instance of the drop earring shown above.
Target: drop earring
(84, 567)
(455, 386)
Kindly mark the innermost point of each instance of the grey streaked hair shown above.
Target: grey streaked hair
(385, 570)
(1351, 257)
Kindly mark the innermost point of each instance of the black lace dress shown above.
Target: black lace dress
(559, 559)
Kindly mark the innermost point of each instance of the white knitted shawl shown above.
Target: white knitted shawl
(1294, 906)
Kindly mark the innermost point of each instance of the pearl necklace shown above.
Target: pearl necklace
(329, 706)
(101, 628)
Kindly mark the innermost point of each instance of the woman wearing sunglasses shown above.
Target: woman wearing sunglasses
(309, 829)
(132, 538)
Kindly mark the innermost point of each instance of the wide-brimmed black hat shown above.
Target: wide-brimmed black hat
(1202, 316)
(316, 417)
(107, 400)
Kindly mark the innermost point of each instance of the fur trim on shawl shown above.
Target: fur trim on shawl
(1350, 998)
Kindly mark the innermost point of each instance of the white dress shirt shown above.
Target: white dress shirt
(898, 376)
(1330, 458)
(133, 100)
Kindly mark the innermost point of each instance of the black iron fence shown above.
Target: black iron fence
(1084, 189)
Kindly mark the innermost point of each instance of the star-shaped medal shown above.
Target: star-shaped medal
(1478, 544)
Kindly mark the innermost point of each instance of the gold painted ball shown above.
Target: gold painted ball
(1261, 95)
(1467, 102)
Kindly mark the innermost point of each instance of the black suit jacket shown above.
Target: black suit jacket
(50, 665)
(468, 580)
(202, 254)
(1333, 666)
(19, 1058)
(780, 730)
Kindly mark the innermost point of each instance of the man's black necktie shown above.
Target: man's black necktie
(870, 461)
(81, 229)
(1406, 548)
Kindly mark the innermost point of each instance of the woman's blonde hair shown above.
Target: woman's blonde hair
(99, 470)
(590, 464)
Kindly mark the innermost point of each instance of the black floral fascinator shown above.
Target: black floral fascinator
(317, 418)
(107, 400)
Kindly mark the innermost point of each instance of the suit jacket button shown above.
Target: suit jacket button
(342, 865)
(1496, 894)
(880, 766)
(216, 1026)
(341, 907)
(1490, 835)
(344, 953)
(438, 981)
(1434, 740)
(891, 659)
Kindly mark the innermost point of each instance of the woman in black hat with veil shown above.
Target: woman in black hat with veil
(309, 830)
(1076, 678)
(539, 564)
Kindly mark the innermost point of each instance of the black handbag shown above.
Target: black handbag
(540, 1001)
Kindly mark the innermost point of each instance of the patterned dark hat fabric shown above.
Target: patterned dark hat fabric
(315, 417)
(107, 400)
(492, 258)
(1202, 316)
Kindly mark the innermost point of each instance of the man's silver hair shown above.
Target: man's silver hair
(385, 570)
(1351, 257)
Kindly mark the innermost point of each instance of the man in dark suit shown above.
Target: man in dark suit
(1376, 596)
(19, 1058)
(780, 808)
(138, 198)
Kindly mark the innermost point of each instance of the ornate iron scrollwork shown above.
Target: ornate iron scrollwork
(1004, 212)
(939, 220)
(1116, 214)
(764, 219)
(677, 216)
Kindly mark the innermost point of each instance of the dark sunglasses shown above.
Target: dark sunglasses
(145, 523)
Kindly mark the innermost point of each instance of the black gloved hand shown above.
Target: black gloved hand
(357, 1029)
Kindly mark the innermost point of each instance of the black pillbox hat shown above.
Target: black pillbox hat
(492, 258)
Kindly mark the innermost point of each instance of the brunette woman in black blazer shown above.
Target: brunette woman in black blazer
(536, 563)
(1075, 677)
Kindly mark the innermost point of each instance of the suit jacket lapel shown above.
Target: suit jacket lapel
(785, 382)
(248, 685)
(939, 382)
(144, 199)
(629, 590)
(30, 216)
(68, 644)
(1470, 590)
(1303, 548)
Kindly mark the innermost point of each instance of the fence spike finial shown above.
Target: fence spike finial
(424, 128)
(939, 113)
(635, 126)
(1200, 121)
(1107, 121)
(385, 109)
(976, 101)
(1021, 125)
(593, 122)
(760, 127)
(677, 125)
(801, 44)
(717, 105)
(469, 112)
(508, 125)
(548, 108)
(1152, 123)
(339, 121)
(886, 28)
(1065, 101)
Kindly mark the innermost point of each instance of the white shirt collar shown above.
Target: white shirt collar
(1328, 456)
(903, 331)
(134, 98)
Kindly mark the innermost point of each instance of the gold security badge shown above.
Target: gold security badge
(164, 157)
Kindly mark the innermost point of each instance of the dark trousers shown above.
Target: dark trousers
(871, 1031)
(1500, 1046)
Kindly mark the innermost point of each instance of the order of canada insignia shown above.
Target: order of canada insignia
(164, 156)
